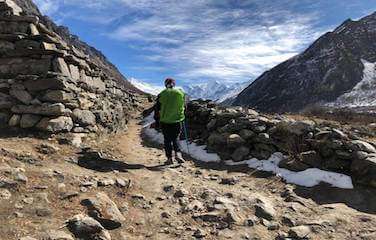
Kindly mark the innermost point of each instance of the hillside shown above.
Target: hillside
(336, 69)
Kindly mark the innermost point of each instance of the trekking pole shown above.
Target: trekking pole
(186, 136)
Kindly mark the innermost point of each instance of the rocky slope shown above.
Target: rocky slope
(335, 70)
(51, 81)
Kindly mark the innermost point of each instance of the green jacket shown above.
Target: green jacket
(171, 105)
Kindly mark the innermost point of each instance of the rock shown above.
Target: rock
(240, 153)
(14, 120)
(300, 232)
(29, 120)
(270, 225)
(56, 109)
(106, 182)
(264, 209)
(211, 125)
(28, 200)
(213, 216)
(57, 96)
(88, 228)
(21, 95)
(122, 183)
(8, 184)
(57, 235)
(5, 194)
(358, 145)
(20, 177)
(300, 127)
(104, 210)
(338, 134)
(56, 125)
(199, 233)
(168, 188)
(230, 181)
(165, 215)
(312, 158)
(234, 140)
(195, 205)
(43, 212)
(246, 134)
(181, 193)
(84, 117)
(216, 139)
(364, 170)
(46, 148)
(259, 128)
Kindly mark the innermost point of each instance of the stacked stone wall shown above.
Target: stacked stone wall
(48, 85)
(239, 134)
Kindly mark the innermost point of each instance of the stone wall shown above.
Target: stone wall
(240, 134)
(49, 85)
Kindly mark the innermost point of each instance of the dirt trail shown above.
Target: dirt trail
(327, 217)
(187, 202)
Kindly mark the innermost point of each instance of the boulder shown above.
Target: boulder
(246, 134)
(60, 124)
(88, 228)
(364, 170)
(234, 140)
(358, 145)
(300, 127)
(104, 210)
(56, 109)
(84, 117)
(21, 95)
(29, 120)
(14, 120)
(240, 153)
(264, 209)
(57, 96)
(300, 232)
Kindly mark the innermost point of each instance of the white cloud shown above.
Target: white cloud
(203, 39)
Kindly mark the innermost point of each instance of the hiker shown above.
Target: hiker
(169, 116)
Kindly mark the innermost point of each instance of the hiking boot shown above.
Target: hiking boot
(179, 157)
(169, 161)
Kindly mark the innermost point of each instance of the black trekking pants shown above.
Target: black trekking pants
(171, 133)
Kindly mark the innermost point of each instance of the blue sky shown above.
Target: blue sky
(201, 40)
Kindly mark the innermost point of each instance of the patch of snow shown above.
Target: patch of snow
(307, 178)
(363, 94)
(194, 150)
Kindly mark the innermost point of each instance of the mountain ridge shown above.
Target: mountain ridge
(327, 69)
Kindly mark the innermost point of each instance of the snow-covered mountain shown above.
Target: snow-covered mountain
(338, 70)
(213, 90)
(146, 87)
